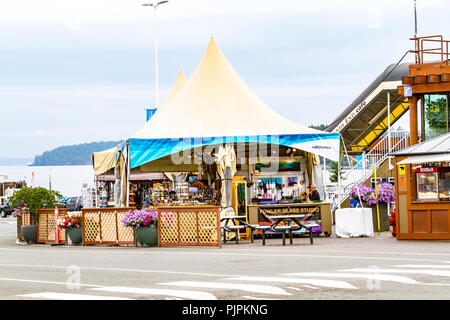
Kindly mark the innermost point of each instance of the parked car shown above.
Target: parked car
(74, 204)
(6, 210)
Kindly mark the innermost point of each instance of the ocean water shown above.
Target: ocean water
(68, 180)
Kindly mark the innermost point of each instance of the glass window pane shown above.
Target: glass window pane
(427, 186)
(435, 115)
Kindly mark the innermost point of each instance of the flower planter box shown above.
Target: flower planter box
(75, 235)
(29, 233)
(147, 237)
(384, 218)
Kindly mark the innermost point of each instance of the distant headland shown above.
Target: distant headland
(72, 155)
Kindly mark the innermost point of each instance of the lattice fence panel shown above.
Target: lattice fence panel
(188, 228)
(126, 234)
(207, 226)
(108, 227)
(26, 219)
(168, 227)
(46, 227)
(51, 229)
(104, 226)
(42, 228)
(91, 227)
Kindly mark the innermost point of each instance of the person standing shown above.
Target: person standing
(313, 193)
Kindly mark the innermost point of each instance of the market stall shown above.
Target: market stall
(422, 183)
(215, 110)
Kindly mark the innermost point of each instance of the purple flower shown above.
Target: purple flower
(385, 191)
(140, 218)
(18, 212)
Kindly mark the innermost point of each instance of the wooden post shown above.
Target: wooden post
(413, 125)
(376, 195)
(56, 225)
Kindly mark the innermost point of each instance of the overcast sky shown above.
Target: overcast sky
(82, 71)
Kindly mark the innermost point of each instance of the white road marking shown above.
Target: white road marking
(234, 286)
(255, 298)
(310, 287)
(69, 296)
(294, 288)
(47, 282)
(442, 273)
(316, 282)
(118, 269)
(431, 266)
(185, 294)
(227, 252)
(372, 276)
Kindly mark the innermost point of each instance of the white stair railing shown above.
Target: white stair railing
(363, 169)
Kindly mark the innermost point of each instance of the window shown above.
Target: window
(436, 115)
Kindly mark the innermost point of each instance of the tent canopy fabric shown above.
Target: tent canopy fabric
(216, 106)
(105, 160)
(179, 83)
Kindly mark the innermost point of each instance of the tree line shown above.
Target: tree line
(79, 154)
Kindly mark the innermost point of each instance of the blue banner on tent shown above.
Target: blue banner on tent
(146, 150)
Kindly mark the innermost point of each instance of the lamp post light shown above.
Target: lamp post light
(155, 6)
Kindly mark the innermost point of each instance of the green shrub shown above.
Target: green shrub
(34, 199)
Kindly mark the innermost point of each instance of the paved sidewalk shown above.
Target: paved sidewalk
(381, 242)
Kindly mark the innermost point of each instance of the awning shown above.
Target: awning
(426, 158)
(105, 160)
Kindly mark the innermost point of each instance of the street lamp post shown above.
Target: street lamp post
(155, 6)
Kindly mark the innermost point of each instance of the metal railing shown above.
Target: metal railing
(434, 45)
(363, 169)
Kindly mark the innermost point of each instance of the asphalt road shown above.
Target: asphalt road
(333, 268)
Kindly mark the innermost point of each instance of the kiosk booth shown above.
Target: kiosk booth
(220, 145)
(423, 190)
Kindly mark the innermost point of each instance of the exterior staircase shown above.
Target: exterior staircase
(363, 169)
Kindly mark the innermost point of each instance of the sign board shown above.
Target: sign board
(402, 177)
(407, 90)
(307, 213)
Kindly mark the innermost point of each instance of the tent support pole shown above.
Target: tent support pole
(128, 175)
(350, 161)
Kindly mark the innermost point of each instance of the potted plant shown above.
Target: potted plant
(145, 224)
(72, 223)
(27, 232)
(385, 193)
(28, 200)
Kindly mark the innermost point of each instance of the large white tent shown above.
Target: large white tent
(216, 106)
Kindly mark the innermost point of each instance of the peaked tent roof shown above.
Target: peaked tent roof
(179, 83)
(215, 103)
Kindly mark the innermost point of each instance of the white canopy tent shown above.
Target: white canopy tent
(216, 106)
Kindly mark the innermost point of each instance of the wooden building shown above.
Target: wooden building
(422, 171)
